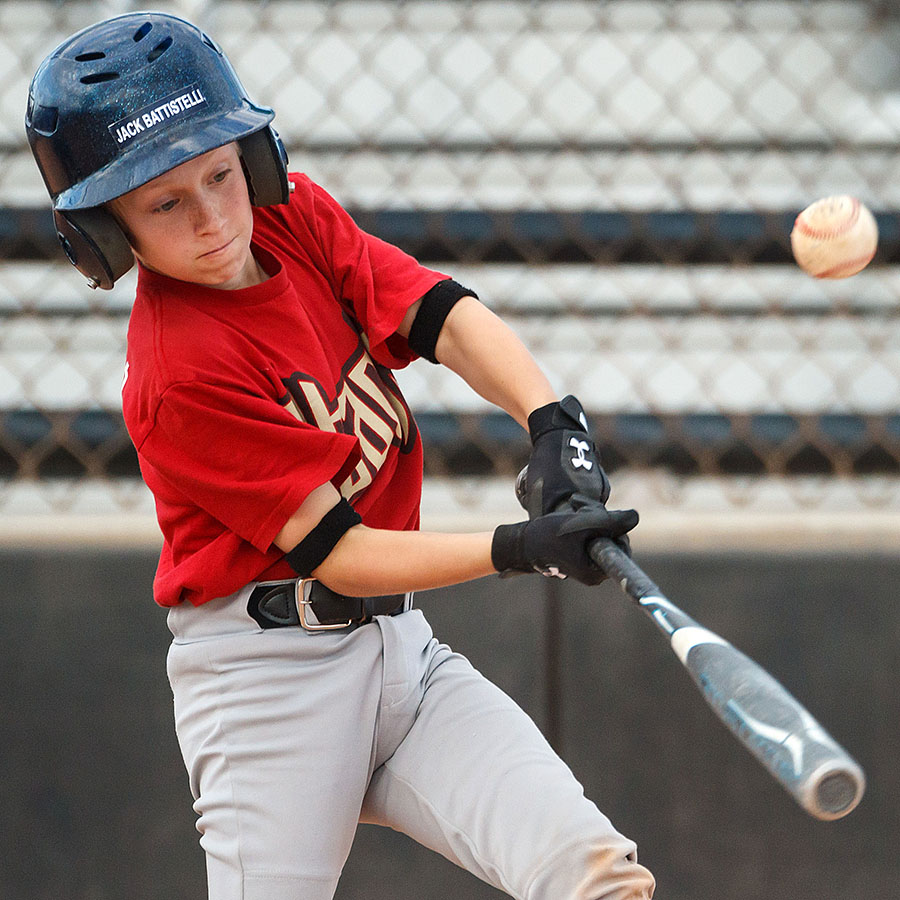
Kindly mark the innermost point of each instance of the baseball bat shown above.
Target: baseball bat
(775, 727)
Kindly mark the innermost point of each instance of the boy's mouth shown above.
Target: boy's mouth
(216, 250)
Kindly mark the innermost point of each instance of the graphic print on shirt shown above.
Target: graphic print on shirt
(368, 404)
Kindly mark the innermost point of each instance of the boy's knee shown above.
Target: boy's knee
(609, 871)
(610, 875)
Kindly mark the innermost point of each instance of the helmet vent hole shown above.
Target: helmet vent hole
(142, 32)
(159, 49)
(99, 77)
(90, 57)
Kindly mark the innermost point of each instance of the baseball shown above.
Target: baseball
(835, 237)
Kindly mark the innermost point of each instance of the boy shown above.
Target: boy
(286, 469)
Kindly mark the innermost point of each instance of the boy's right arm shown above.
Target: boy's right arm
(372, 562)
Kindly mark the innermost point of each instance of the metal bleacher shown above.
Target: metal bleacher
(618, 180)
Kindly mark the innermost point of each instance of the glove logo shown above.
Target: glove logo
(580, 460)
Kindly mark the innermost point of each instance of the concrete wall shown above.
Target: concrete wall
(94, 802)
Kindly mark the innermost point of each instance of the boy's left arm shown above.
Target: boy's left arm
(490, 358)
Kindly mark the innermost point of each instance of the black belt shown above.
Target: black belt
(315, 607)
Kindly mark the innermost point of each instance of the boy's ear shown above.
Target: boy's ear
(95, 244)
(264, 160)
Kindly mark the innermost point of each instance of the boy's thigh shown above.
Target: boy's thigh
(476, 781)
(278, 744)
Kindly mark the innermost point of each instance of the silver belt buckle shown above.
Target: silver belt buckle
(304, 609)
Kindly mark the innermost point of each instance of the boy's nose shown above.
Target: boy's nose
(207, 215)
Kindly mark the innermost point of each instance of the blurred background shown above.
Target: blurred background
(618, 180)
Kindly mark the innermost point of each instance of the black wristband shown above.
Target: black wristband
(433, 311)
(310, 553)
(541, 420)
(565, 414)
(507, 552)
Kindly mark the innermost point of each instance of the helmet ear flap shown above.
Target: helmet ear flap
(265, 165)
(95, 244)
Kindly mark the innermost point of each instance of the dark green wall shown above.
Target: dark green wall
(94, 803)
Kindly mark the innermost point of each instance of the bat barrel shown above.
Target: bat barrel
(759, 711)
(772, 724)
(763, 716)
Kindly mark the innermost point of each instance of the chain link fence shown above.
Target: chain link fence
(617, 179)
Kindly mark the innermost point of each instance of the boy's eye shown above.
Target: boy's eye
(168, 205)
(219, 177)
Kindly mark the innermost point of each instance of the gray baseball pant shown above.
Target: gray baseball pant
(290, 739)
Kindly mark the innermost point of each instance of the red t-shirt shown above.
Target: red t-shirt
(242, 402)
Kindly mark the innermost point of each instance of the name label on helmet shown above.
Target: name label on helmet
(172, 107)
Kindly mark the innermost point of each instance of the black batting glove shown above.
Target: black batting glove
(557, 544)
(564, 458)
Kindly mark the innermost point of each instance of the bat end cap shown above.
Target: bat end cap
(838, 793)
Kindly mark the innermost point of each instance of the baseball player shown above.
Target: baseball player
(286, 468)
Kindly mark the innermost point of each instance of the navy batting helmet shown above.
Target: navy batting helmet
(125, 100)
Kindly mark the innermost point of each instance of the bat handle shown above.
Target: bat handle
(619, 565)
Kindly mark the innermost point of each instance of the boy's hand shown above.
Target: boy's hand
(557, 544)
(564, 459)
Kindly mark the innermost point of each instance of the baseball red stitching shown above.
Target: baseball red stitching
(821, 234)
(860, 261)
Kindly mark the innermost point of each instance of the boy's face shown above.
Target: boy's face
(194, 222)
